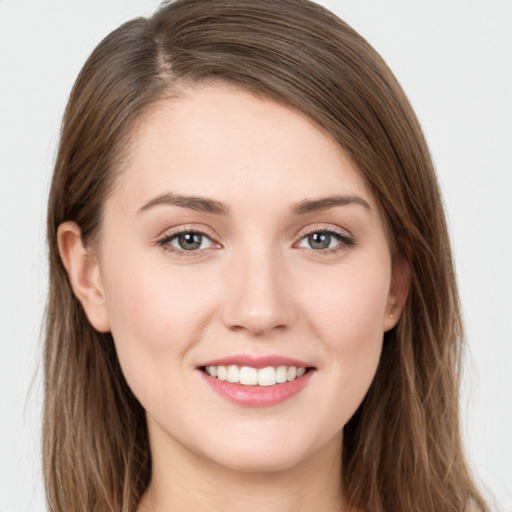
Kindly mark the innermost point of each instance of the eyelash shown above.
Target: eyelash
(165, 242)
(345, 241)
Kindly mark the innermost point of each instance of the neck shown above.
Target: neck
(183, 481)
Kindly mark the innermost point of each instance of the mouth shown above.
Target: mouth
(256, 381)
(251, 376)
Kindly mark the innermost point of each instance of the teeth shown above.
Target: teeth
(281, 374)
(221, 372)
(267, 376)
(233, 374)
(249, 376)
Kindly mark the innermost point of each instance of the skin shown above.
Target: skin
(256, 286)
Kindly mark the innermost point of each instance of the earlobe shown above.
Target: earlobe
(398, 293)
(84, 275)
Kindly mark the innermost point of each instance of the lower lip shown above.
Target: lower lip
(257, 396)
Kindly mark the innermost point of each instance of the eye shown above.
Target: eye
(324, 240)
(188, 241)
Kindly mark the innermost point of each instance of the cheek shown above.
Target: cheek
(156, 317)
(156, 314)
(349, 322)
(348, 306)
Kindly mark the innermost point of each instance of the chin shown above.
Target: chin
(268, 454)
(261, 462)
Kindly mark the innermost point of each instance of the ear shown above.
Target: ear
(398, 292)
(84, 274)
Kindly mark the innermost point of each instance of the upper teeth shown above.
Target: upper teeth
(249, 376)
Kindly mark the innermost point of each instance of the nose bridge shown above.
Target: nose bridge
(257, 298)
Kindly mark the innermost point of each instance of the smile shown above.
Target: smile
(250, 381)
(249, 376)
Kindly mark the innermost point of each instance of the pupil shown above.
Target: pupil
(319, 240)
(190, 241)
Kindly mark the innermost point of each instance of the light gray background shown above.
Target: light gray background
(454, 60)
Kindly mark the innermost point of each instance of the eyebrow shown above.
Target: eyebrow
(200, 204)
(324, 203)
(206, 205)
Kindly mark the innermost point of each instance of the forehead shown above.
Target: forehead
(218, 140)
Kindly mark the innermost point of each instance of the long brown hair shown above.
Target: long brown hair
(402, 449)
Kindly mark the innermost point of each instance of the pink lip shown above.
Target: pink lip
(256, 361)
(257, 396)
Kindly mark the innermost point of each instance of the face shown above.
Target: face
(247, 280)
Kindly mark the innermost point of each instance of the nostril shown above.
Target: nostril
(258, 307)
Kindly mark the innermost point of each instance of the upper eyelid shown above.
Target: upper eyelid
(323, 228)
(179, 230)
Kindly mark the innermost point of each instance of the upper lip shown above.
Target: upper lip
(256, 361)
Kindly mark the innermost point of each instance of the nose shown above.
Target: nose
(259, 298)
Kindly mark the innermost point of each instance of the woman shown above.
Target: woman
(252, 302)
